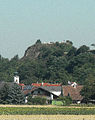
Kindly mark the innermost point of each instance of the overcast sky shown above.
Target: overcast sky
(22, 22)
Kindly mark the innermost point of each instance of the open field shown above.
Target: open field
(46, 111)
(49, 106)
(47, 117)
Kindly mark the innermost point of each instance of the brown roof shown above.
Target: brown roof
(73, 92)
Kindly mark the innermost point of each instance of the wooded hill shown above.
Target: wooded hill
(50, 62)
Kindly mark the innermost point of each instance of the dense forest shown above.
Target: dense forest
(50, 62)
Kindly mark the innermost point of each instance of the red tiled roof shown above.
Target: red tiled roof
(21, 84)
(54, 85)
(36, 84)
(45, 84)
(73, 92)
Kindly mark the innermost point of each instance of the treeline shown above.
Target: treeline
(54, 63)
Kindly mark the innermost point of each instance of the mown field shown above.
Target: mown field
(47, 117)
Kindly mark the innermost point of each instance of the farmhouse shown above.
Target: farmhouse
(46, 90)
(73, 92)
(53, 91)
(50, 92)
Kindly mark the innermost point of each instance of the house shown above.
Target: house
(49, 92)
(73, 92)
(53, 91)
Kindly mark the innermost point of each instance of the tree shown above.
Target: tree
(88, 91)
(72, 52)
(38, 41)
(4, 94)
(15, 95)
(82, 49)
(80, 60)
(11, 94)
(57, 62)
(93, 45)
(69, 42)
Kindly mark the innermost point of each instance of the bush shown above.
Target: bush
(59, 103)
(36, 100)
(66, 100)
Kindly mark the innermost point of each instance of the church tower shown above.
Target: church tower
(16, 78)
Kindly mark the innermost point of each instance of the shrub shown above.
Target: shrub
(59, 103)
(36, 100)
(66, 100)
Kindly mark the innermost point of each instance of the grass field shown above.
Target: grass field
(47, 117)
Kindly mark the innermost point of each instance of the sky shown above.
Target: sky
(22, 22)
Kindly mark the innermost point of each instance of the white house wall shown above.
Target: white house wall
(56, 93)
